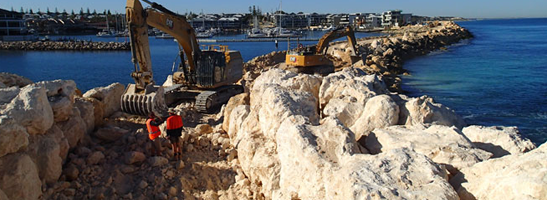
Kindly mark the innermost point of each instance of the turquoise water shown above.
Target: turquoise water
(497, 78)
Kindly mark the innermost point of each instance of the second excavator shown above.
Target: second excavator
(207, 78)
(314, 59)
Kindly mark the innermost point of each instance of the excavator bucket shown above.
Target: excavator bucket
(151, 100)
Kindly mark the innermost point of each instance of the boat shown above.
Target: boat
(164, 36)
(204, 34)
(106, 34)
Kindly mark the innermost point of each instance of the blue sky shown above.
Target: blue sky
(460, 8)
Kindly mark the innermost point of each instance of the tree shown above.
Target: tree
(88, 13)
(22, 11)
(56, 11)
(30, 11)
(94, 12)
(12, 9)
(81, 11)
(72, 13)
(108, 12)
(64, 12)
(47, 11)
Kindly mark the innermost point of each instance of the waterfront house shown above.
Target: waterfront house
(12, 26)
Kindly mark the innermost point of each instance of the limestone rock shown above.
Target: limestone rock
(8, 94)
(31, 109)
(10, 80)
(74, 128)
(3, 195)
(86, 113)
(350, 82)
(320, 162)
(497, 140)
(45, 151)
(515, 176)
(19, 178)
(134, 157)
(157, 161)
(290, 80)
(60, 95)
(204, 129)
(13, 137)
(98, 111)
(380, 111)
(442, 144)
(109, 97)
(95, 158)
(71, 172)
(240, 99)
(422, 110)
(110, 133)
(346, 109)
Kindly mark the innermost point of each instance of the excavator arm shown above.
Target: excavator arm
(165, 20)
(323, 43)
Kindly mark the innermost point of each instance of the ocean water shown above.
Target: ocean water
(497, 78)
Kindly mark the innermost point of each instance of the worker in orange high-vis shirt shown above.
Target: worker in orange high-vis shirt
(152, 124)
(174, 131)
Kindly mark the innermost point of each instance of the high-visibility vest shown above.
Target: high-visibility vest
(153, 131)
(174, 122)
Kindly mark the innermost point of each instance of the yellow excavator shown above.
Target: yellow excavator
(313, 59)
(207, 78)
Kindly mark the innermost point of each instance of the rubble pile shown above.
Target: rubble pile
(65, 46)
(57, 143)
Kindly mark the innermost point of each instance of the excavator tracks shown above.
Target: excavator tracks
(206, 101)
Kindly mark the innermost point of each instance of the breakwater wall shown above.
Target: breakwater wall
(383, 56)
(65, 46)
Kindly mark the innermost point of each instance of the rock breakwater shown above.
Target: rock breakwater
(383, 56)
(65, 46)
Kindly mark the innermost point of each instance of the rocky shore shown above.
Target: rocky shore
(65, 46)
(289, 136)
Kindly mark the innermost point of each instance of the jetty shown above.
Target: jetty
(64, 46)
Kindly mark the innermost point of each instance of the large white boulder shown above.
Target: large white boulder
(60, 95)
(290, 80)
(86, 113)
(498, 140)
(19, 178)
(380, 111)
(109, 97)
(515, 176)
(13, 137)
(74, 128)
(442, 144)
(350, 82)
(31, 109)
(45, 151)
(422, 110)
(240, 99)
